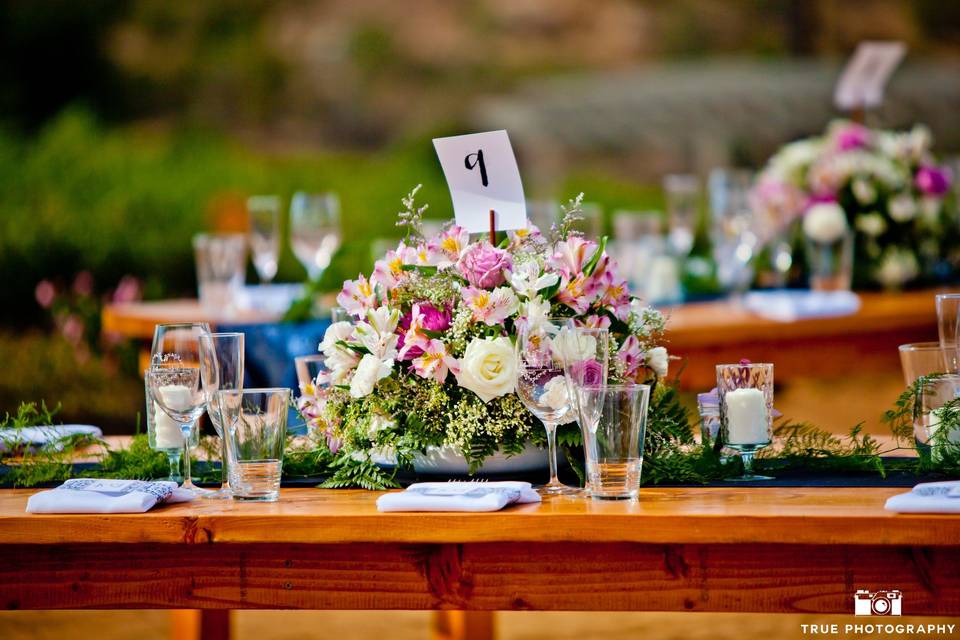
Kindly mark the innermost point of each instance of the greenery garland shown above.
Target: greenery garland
(671, 454)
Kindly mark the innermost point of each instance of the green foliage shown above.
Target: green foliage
(134, 462)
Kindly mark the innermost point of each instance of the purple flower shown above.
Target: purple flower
(852, 136)
(933, 181)
(483, 265)
(587, 372)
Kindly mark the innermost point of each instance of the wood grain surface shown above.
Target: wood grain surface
(698, 515)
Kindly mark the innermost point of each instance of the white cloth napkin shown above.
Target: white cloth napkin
(458, 496)
(928, 497)
(40, 436)
(88, 495)
(787, 305)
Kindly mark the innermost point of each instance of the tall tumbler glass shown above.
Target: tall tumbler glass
(921, 359)
(936, 418)
(255, 422)
(617, 442)
(948, 315)
(746, 410)
(221, 368)
(830, 263)
(221, 266)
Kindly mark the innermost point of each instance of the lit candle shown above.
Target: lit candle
(166, 430)
(746, 417)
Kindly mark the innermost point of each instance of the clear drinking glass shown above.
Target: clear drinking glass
(542, 388)
(585, 353)
(830, 263)
(173, 380)
(315, 230)
(948, 315)
(221, 368)
(221, 266)
(746, 411)
(682, 195)
(256, 427)
(732, 228)
(617, 442)
(936, 424)
(264, 234)
(921, 359)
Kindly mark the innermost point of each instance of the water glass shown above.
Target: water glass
(830, 264)
(746, 410)
(617, 442)
(948, 315)
(682, 195)
(921, 359)
(255, 421)
(936, 419)
(315, 230)
(264, 234)
(221, 265)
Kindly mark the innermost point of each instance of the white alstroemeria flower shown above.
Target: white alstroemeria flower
(338, 359)
(378, 332)
(535, 311)
(526, 279)
(370, 371)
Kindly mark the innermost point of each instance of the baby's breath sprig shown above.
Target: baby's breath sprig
(412, 216)
(572, 214)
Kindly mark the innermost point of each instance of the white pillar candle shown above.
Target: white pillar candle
(952, 438)
(167, 433)
(746, 417)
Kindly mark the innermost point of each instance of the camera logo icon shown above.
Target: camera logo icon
(885, 602)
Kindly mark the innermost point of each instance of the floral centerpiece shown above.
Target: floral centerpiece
(428, 360)
(886, 185)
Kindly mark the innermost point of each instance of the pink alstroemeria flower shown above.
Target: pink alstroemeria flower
(435, 362)
(450, 245)
(491, 307)
(631, 355)
(357, 296)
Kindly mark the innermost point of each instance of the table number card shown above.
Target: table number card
(482, 174)
(863, 79)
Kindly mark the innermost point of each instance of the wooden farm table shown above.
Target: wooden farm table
(702, 333)
(781, 550)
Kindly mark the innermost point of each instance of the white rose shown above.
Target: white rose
(659, 361)
(573, 346)
(370, 371)
(872, 224)
(825, 222)
(488, 368)
(554, 393)
(903, 208)
(863, 191)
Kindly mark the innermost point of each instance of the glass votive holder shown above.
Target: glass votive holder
(616, 444)
(255, 421)
(746, 411)
(936, 419)
(830, 263)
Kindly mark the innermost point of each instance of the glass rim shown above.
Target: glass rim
(259, 390)
(197, 323)
(751, 365)
(222, 334)
(921, 346)
(947, 296)
(933, 378)
(617, 387)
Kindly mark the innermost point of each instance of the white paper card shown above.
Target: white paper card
(482, 174)
(863, 80)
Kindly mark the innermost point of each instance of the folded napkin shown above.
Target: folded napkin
(458, 496)
(88, 495)
(786, 305)
(40, 436)
(928, 497)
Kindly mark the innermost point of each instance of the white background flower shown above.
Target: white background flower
(903, 207)
(488, 368)
(825, 222)
(658, 360)
(573, 346)
(554, 393)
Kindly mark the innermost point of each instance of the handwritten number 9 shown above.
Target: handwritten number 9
(474, 160)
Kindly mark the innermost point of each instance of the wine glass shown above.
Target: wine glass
(221, 368)
(682, 195)
(585, 351)
(174, 382)
(264, 234)
(733, 231)
(542, 388)
(315, 230)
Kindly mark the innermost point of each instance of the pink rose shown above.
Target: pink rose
(483, 265)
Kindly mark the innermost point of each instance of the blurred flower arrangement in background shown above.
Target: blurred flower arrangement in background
(428, 359)
(889, 189)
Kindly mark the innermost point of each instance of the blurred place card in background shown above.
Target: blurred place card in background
(863, 80)
(482, 174)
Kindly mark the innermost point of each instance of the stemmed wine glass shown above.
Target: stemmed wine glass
(174, 382)
(221, 369)
(315, 230)
(585, 354)
(264, 235)
(543, 389)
